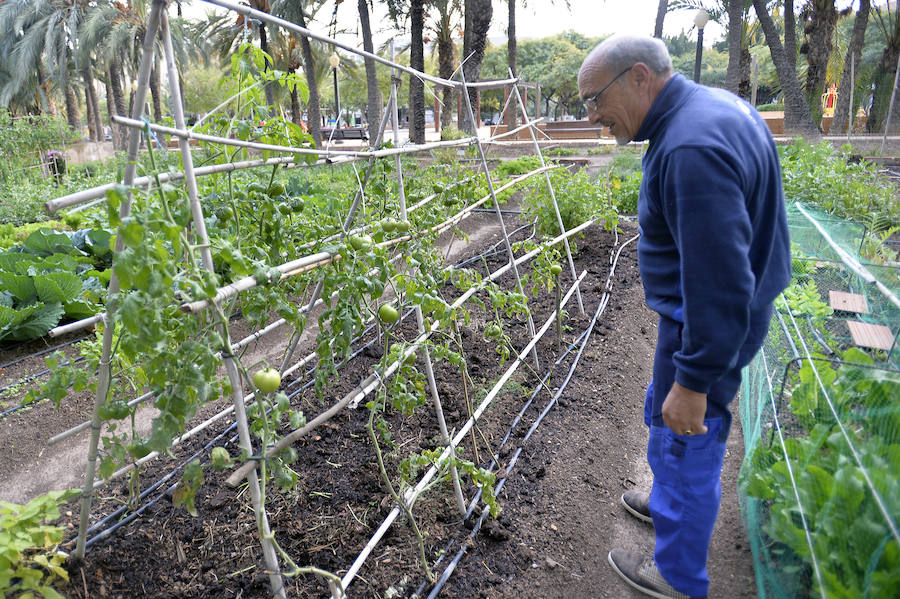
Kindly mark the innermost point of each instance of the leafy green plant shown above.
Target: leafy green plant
(49, 277)
(821, 176)
(852, 541)
(578, 196)
(29, 560)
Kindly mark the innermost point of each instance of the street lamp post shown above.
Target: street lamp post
(335, 62)
(700, 20)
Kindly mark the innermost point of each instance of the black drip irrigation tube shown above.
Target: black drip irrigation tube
(583, 339)
(40, 353)
(28, 379)
(108, 531)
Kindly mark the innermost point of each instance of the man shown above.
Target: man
(714, 253)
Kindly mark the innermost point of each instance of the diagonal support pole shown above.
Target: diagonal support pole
(420, 321)
(562, 227)
(317, 292)
(487, 175)
(270, 556)
(104, 367)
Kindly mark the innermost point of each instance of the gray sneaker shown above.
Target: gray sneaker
(641, 573)
(638, 504)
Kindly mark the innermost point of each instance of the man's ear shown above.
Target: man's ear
(641, 73)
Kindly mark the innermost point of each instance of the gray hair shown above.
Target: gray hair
(619, 52)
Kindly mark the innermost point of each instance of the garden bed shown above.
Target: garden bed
(560, 512)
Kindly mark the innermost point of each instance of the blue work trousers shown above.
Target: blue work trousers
(684, 500)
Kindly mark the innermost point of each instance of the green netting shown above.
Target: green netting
(820, 483)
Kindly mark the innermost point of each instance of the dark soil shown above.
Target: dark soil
(560, 502)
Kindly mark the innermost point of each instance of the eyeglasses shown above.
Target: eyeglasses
(591, 103)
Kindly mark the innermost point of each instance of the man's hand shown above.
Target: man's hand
(683, 411)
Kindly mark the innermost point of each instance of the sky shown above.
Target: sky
(540, 18)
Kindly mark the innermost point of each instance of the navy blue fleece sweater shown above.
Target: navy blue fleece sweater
(714, 249)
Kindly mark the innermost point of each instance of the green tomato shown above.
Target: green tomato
(224, 213)
(284, 209)
(257, 188)
(555, 269)
(388, 314)
(402, 226)
(358, 242)
(267, 380)
(276, 189)
(388, 225)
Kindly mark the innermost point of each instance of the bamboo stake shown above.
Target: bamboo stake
(104, 376)
(227, 141)
(420, 321)
(268, 18)
(559, 221)
(347, 223)
(291, 268)
(372, 381)
(487, 174)
(269, 555)
(412, 494)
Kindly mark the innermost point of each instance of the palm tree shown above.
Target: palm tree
(373, 103)
(797, 118)
(417, 61)
(819, 18)
(840, 122)
(735, 44)
(888, 21)
(42, 32)
(444, 26)
(478, 21)
(661, 11)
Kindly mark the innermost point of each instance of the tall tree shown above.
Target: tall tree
(661, 10)
(735, 44)
(819, 18)
(92, 104)
(478, 21)
(797, 118)
(888, 21)
(511, 59)
(444, 26)
(417, 61)
(373, 101)
(42, 32)
(840, 122)
(790, 33)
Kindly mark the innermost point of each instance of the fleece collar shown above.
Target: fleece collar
(674, 93)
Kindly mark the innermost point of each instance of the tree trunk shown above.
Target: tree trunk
(373, 106)
(884, 85)
(47, 104)
(819, 19)
(72, 115)
(797, 118)
(735, 45)
(445, 70)
(512, 58)
(744, 90)
(417, 61)
(478, 21)
(115, 84)
(790, 34)
(842, 110)
(89, 113)
(660, 17)
(264, 46)
(93, 104)
(309, 67)
(156, 93)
